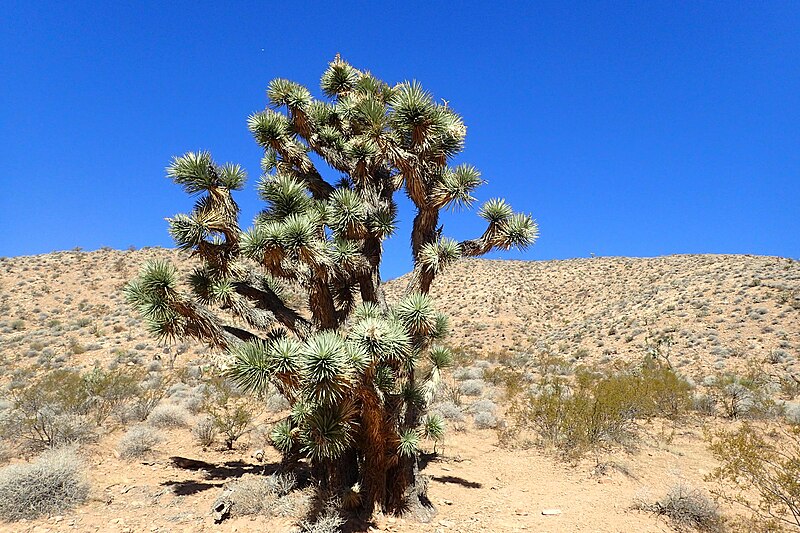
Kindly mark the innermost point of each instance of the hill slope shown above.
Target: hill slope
(703, 310)
(706, 313)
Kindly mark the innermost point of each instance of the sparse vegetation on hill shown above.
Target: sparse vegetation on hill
(70, 299)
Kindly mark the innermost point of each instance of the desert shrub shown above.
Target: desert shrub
(514, 382)
(137, 442)
(449, 411)
(598, 409)
(751, 461)
(257, 494)
(149, 394)
(662, 392)
(54, 483)
(328, 522)
(687, 509)
(169, 416)
(47, 411)
(471, 387)
(704, 404)
(205, 431)
(744, 396)
(485, 420)
(229, 409)
(463, 374)
(109, 390)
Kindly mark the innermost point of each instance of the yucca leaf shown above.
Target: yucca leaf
(496, 210)
(232, 176)
(385, 379)
(325, 368)
(252, 368)
(442, 328)
(438, 255)
(382, 339)
(286, 196)
(440, 357)
(409, 443)
(517, 231)
(417, 314)
(194, 171)
(282, 436)
(366, 310)
(268, 127)
(328, 431)
(339, 79)
(433, 427)
(283, 92)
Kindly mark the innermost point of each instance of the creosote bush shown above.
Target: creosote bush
(65, 406)
(752, 461)
(229, 409)
(55, 482)
(357, 371)
(596, 409)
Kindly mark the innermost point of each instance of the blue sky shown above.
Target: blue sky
(625, 128)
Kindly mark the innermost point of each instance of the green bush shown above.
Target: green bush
(230, 410)
(109, 390)
(753, 462)
(596, 409)
(60, 407)
(47, 411)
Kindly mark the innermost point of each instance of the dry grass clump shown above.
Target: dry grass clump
(168, 416)
(137, 442)
(52, 484)
(687, 509)
(261, 495)
(205, 431)
(483, 413)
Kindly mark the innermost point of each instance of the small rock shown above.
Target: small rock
(551, 512)
(521, 512)
(604, 480)
(445, 523)
(447, 502)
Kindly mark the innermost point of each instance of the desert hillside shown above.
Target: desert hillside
(704, 315)
(706, 311)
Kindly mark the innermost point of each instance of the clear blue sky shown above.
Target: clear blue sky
(625, 128)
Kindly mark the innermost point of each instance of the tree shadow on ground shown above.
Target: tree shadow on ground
(212, 471)
(458, 481)
(427, 458)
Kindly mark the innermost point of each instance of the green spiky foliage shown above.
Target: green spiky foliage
(357, 371)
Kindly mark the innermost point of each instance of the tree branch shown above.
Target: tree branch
(269, 301)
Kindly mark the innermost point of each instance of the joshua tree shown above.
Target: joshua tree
(357, 372)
